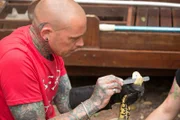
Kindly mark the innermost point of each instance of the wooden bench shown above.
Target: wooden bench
(151, 53)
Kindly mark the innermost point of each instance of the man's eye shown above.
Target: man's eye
(74, 39)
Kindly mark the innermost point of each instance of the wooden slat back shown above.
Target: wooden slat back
(7, 25)
(176, 17)
(157, 16)
(109, 13)
(141, 16)
(12, 24)
(21, 9)
(166, 17)
(131, 16)
(153, 16)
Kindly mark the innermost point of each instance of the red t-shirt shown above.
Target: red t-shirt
(25, 75)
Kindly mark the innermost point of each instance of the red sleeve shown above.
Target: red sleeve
(19, 82)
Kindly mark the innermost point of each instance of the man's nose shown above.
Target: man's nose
(80, 42)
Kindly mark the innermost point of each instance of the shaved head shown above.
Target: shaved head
(59, 13)
(58, 26)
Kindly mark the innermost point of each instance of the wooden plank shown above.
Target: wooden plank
(5, 32)
(131, 16)
(124, 59)
(107, 12)
(101, 71)
(140, 41)
(114, 22)
(141, 17)
(165, 17)
(12, 24)
(14, 21)
(22, 3)
(153, 16)
(176, 17)
(91, 37)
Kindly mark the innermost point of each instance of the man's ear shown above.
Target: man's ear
(45, 32)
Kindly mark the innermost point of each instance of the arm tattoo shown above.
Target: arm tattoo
(32, 111)
(79, 112)
(62, 102)
(62, 97)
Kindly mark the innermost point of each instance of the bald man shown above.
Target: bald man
(32, 72)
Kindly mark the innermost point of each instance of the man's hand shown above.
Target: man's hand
(105, 87)
(80, 94)
(133, 92)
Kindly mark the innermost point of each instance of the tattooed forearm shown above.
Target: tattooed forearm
(62, 97)
(32, 111)
(79, 112)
